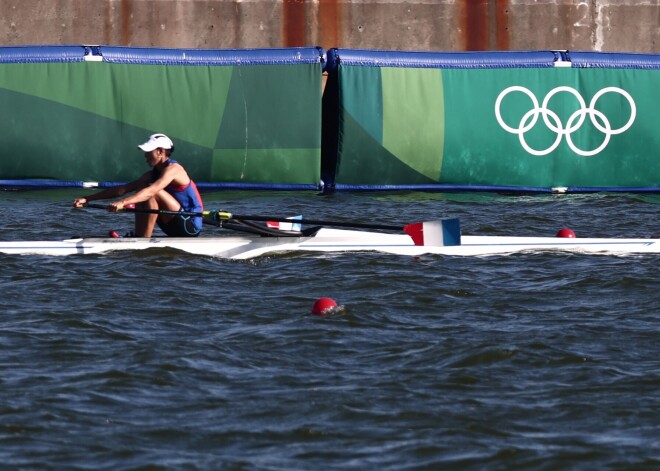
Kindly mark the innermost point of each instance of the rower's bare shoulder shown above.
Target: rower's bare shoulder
(179, 174)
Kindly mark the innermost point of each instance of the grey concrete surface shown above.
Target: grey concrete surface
(434, 25)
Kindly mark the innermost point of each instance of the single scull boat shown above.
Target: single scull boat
(334, 240)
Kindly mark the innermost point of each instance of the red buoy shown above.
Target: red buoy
(323, 305)
(565, 232)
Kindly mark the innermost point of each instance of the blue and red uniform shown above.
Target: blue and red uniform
(190, 200)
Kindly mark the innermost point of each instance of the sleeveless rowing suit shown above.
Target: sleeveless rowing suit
(190, 200)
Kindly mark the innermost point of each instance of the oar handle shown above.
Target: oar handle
(95, 206)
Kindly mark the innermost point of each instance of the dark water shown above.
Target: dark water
(163, 360)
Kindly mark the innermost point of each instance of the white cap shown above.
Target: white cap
(155, 141)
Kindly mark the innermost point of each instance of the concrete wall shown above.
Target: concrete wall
(438, 25)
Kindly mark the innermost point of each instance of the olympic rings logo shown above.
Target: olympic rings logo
(574, 122)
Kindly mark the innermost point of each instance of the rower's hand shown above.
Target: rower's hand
(119, 206)
(115, 207)
(79, 202)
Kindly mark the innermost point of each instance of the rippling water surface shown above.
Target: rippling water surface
(158, 359)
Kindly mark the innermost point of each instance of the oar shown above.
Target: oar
(438, 233)
(132, 209)
(226, 216)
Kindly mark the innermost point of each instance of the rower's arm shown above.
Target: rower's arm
(170, 174)
(113, 192)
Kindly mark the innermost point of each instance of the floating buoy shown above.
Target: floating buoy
(323, 305)
(565, 232)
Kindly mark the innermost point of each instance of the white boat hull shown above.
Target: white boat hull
(333, 240)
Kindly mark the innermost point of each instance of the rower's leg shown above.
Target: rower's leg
(145, 223)
(165, 202)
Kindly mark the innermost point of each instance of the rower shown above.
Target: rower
(167, 186)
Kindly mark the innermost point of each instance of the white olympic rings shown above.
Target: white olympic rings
(574, 122)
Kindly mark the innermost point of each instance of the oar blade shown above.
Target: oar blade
(446, 232)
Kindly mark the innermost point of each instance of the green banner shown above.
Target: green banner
(535, 127)
(83, 121)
